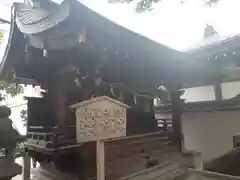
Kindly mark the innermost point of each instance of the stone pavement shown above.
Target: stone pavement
(18, 177)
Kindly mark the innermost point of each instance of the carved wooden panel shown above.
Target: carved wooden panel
(100, 118)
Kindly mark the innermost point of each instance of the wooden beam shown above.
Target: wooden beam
(26, 167)
(218, 91)
(176, 116)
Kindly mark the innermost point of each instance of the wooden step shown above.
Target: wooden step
(129, 155)
(167, 170)
(127, 150)
(134, 165)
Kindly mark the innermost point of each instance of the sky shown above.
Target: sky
(173, 24)
(170, 23)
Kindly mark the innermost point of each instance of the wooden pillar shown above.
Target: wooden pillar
(176, 117)
(218, 91)
(26, 1)
(26, 167)
(57, 91)
(198, 161)
(100, 160)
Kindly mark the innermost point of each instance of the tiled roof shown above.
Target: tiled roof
(213, 41)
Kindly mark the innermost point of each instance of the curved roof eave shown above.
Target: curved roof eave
(125, 36)
(88, 18)
(32, 21)
(115, 34)
(8, 56)
(214, 45)
(4, 61)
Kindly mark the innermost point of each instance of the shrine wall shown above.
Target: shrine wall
(202, 93)
(210, 133)
(206, 93)
(230, 89)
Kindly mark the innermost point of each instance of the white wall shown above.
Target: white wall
(206, 93)
(203, 93)
(17, 104)
(230, 89)
(210, 133)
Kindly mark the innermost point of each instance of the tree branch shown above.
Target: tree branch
(146, 5)
(4, 21)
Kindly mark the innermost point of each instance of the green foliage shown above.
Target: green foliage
(7, 88)
(142, 5)
(147, 5)
(24, 116)
(19, 148)
(211, 2)
(11, 89)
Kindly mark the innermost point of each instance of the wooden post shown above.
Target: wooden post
(176, 117)
(218, 91)
(100, 160)
(26, 1)
(198, 161)
(107, 109)
(26, 167)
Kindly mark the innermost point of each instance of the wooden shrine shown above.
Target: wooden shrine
(80, 58)
(77, 57)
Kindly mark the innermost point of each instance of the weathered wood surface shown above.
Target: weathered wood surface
(165, 171)
(173, 170)
(129, 155)
(194, 174)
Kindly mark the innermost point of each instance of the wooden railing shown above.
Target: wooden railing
(128, 155)
(123, 156)
(165, 124)
(165, 171)
(51, 138)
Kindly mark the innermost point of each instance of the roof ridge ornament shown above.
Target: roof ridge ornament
(209, 31)
(40, 19)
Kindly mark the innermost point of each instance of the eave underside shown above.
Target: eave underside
(122, 56)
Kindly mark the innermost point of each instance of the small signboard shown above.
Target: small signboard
(100, 118)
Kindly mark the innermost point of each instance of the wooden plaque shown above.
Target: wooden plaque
(100, 118)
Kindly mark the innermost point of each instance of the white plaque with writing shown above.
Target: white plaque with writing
(100, 118)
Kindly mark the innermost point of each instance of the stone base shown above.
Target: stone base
(8, 170)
